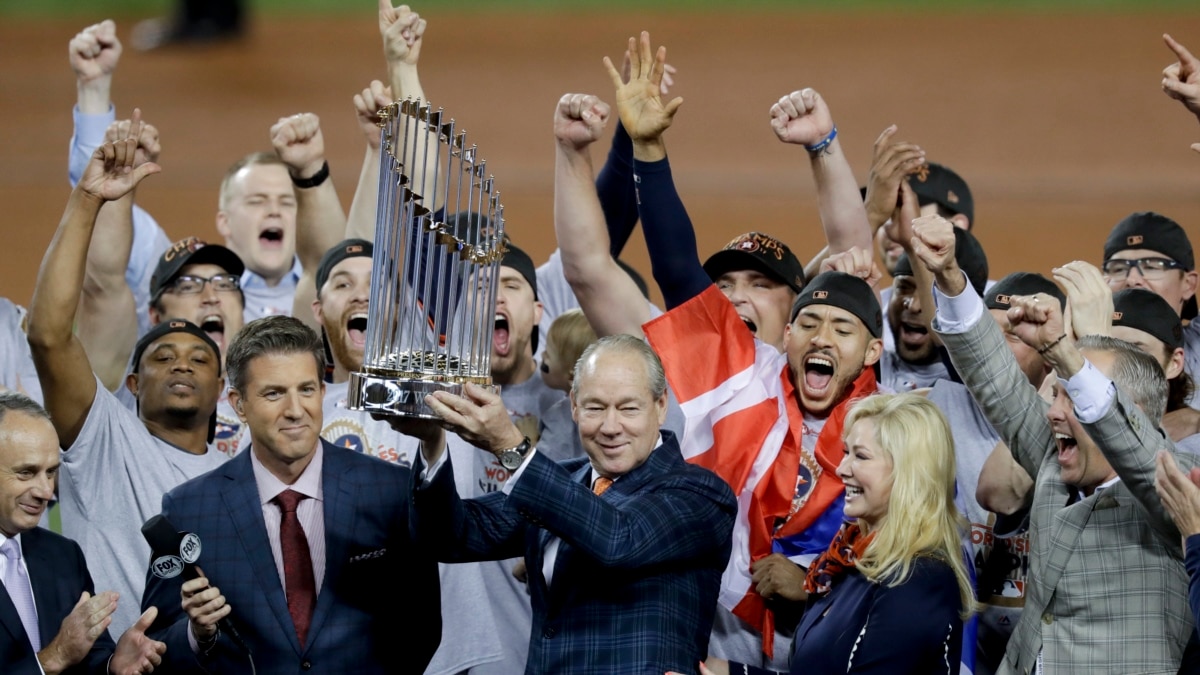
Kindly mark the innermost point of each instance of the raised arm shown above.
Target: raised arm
(320, 221)
(608, 297)
(803, 118)
(365, 206)
(1181, 80)
(68, 385)
(670, 239)
(107, 321)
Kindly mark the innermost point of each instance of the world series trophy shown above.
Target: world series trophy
(433, 280)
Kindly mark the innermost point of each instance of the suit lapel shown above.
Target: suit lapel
(339, 516)
(45, 573)
(245, 510)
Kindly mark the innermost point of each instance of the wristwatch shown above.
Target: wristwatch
(512, 457)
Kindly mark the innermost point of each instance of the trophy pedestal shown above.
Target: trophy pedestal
(398, 397)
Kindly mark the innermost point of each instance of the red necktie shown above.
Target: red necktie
(297, 564)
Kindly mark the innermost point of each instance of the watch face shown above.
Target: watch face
(511, 459)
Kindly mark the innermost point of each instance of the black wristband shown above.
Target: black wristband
(316, 179)
(1046, 348)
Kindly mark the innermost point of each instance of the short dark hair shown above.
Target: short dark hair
(11, 401)
(270, 335)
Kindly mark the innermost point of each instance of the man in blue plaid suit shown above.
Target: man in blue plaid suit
(623, 575)
(1107, 592)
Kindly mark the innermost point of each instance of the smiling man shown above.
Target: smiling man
(117, 463)
(623, 575)
(1091, 455)
(306, 545)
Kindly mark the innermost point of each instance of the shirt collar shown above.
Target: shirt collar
(308, 484)
(252, 279)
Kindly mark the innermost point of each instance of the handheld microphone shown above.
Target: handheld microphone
(175, 553)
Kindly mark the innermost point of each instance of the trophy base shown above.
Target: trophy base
(397, 397)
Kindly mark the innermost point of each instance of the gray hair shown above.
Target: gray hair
(627, 344)
(271, 335)
(16, 402)
(1134, 372)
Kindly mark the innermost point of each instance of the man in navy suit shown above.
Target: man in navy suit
(305, 546)
(624, 549)
(50, 614)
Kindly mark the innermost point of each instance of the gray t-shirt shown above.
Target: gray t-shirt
(974, 440)
(486, 615)
(901, 376)
(16, 364)
(112, 480)
(263, 300)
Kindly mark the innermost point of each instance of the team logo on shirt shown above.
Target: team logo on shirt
(347, 434)
(228, 435)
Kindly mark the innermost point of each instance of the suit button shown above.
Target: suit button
(1047, 618)
(306, 665)
(549, 632)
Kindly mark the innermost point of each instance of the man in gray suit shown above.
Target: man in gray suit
(1107, 588)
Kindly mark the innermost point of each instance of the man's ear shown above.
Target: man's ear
(874, 352)
(236, 402)
(537, 313)
(223, 225)
(1190, 280)
(1175, 364)
(131, 383)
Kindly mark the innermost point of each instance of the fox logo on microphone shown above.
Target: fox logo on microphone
(167, 566)
(189, 548)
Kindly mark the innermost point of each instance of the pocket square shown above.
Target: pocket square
(369, 555)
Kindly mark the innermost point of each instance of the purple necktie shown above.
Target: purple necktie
(16, 582)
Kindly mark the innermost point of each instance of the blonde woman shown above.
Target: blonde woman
(891, 592)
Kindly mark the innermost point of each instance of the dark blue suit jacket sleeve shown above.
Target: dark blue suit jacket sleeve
(1192, 562)
(677, 520)
(459, 530)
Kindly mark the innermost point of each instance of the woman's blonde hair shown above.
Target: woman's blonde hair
(570, 333)
(922, 518)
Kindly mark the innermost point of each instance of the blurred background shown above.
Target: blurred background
(1052, 111)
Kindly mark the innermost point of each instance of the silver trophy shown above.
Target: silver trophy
(433, 281)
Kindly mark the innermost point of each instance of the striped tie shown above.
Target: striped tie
(17, 584)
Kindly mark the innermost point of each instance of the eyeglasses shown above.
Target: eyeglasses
(187, 284)
(1152, 269)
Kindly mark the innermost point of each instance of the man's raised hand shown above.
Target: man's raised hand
(639, 101)
(367, 105)
(299, 144)
(111, 173)
(855, 262)
(933, 245)
(1181, 80)
(579, 120)
(148, 143)
(801, 117)
(1038, 320)
(891, 162)
(1089, 299)
(95, 51)
(478, 416)
(401, 29)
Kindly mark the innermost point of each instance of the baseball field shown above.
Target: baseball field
(1053, 113)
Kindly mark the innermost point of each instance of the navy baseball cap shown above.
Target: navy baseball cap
(844, 291)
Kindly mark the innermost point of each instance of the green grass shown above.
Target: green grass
(71, 8)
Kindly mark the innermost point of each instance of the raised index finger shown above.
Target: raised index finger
(1180, 51)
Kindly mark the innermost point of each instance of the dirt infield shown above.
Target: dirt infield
(1057, 121)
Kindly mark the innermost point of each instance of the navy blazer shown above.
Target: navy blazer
(58, 574)
(378, 610)
(637, 572)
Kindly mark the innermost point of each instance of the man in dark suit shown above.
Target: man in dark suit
(50, 614)
(624, 575)
(305, 545)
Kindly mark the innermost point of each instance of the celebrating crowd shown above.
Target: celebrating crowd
(792, 466)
